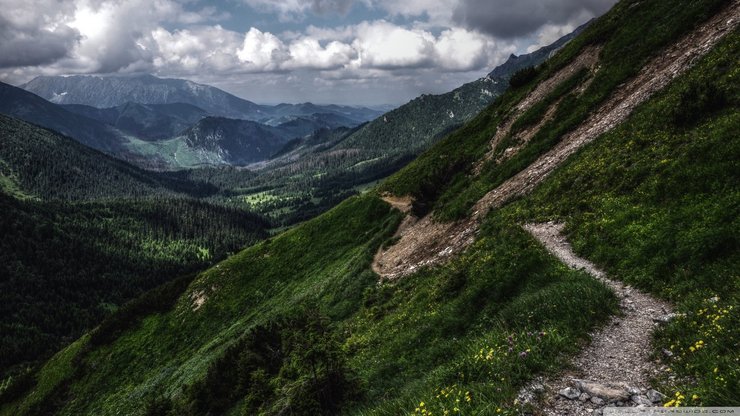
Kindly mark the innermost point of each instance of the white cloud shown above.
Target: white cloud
(379, 46)
(262, 51)
(308, 53)
(462, 50)
(194, 50)
(384, 45)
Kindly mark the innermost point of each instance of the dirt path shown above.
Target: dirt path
(401, 203)
(427, 242)
(615, 367)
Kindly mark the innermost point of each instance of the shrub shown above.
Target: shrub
(523, 76)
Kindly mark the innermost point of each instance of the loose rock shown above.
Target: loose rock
(570, 393)
(607, 393)
(597, 401)
(639, 400)
(655, 396)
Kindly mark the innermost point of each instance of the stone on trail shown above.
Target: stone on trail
(608, 393)
(570, 393)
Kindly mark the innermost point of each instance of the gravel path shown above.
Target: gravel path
(618, 356)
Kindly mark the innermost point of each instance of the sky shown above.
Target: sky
(356, 52)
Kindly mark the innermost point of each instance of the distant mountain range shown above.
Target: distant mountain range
(170, 135)
(114, 91)
(404, 132)
(171, 123)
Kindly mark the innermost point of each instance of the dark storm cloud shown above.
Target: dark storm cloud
(509, 19)
(30, 46)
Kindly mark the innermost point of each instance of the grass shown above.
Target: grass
(425, 333)
(403, 340)
(630, 33)
(653, 202)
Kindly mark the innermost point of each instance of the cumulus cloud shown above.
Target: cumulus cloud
(509, 19)
(88, 36)
(434, 46)
(262, 51)
(368, 48)
(384, 45)
(307, 53)
(194, 50)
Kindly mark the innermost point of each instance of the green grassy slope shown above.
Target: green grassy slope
(66, 266)
(630, 33)
(402, 340)
(48, 165)
(83, 232)
(654, 202)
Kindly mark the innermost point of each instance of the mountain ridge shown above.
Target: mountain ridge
(113, 91)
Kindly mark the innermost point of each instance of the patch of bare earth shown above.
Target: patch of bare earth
(588, 58)
(426, 242)
(615, 368)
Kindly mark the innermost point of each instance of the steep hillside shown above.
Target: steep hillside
(300, 323)
(18, 103)
(88, 258)
(47, 165)
(238, 142)
(148, 122)
(323, 168)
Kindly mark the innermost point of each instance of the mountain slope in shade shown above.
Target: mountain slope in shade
(236, 142)
(22, 104)
(144, 121)
(104, 92)
(44, 164)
